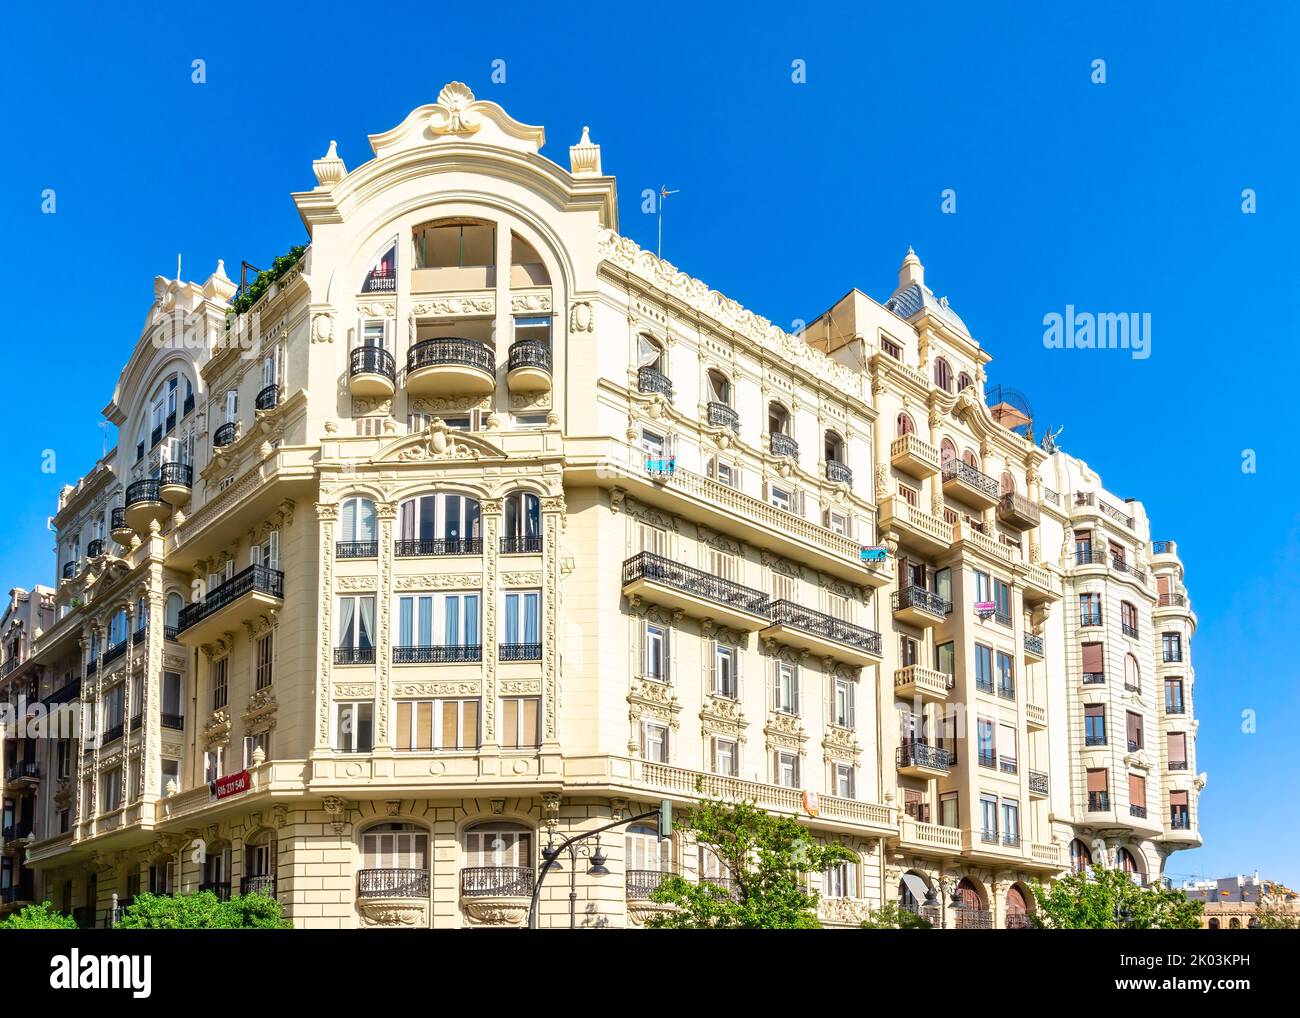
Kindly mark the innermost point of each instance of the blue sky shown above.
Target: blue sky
(1124, 196)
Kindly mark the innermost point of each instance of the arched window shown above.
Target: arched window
(970, 459)
(1008, 483)
(650, 354)
(1017, 909)
(259, 864)
(1132, 674)
(778, 419)
(943, 374)
(174, 605)
(963, 381)
(439, 524)
(913, 892)
(356, 537)
(1124, 861)
(1234, 924)
(646, 859)
(834, 448)
(395, 862)
(117, 627)
(840, 880)
(523, 522)
(971, 913)
(498, 860)
(216, 871)
(904, 426)
(719, 387)
(1080, 857)
(526, 266)
(947, 450)
(1213, 924)
(382, 277)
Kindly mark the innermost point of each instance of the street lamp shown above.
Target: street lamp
(951, 887)
(597, 868)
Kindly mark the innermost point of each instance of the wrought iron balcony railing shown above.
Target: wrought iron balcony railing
(372, 360)
(262, 579)
(529, 353)
(918, 597)
(920, 754)
(95, 548)
(452, 350)
(451, 653)
(670, 573)
(268, 398)
(519, 652)
(653, 380)
(225, 435)
(1038, 782)
(258, 884)
(439, 546)
(496, 882)
(1034, 644)
(720, 415)
(1180, 820)
(521, 544)
(787, 613)
(393, 883)
(1089, 619)
(784, 445)
(838, 473)
(959, 469)
(1098, 802)
(354, 655)
(118, 519)
(142, 491)
(642, 884)
(1137, 811)
(356, 549)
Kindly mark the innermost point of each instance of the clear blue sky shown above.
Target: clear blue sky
(1117, 197)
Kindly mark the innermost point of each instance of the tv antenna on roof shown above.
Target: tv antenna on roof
(663, 193)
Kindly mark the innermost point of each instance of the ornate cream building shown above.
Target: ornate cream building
(484, 526)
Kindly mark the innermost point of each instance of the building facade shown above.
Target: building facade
(1235, 903)
(483, 526)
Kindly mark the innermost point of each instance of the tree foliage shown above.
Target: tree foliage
(1107, 899)
(765, 862)
(894, 917)
(39, 917)
(203, 911)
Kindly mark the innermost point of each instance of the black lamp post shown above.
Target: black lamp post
(550, 856)
(951, 889)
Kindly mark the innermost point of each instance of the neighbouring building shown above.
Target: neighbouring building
(1233, 903)
(482, 526)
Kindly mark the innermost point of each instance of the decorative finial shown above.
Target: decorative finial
(329, 169)
(584, 157)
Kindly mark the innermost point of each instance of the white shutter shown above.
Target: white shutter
(230, 569)
(255, 555)
(348, 520)
(232, 406)
(274, 553)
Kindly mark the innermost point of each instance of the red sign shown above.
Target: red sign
(231, 784)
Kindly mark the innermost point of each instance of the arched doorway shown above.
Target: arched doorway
(971, 911)
(1017, 909)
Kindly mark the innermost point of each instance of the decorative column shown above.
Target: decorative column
(151, 719)
(385, 514)
(326, 515)
(490, 514)
(553, 516)
(936, 480)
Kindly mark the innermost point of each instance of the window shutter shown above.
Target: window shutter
(1137, 790)
(1096, 781)
(348, 520)
(1092, 658)
(274, 562)
(232, 406)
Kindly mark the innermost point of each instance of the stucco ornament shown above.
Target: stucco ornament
(452, 115)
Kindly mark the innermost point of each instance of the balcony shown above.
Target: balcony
(519, 652)
(438, 546)
(1038, 783)
(1035, 716)
(970, 485)
(1134, 810)
(267, 398)
(521, 544)
(838, 473)
(225, 435)
(240, 598)
(95, 548)
(1098, 802)
(176, 722)
(438, 654)
(1177, 765)
(528, 367)
(699, 594)
(221, 888)
(914, 457)
(175, 481)
(372, 371)
(917, 530)
(258, 884)
(68, 691)
(145, 505)
(642, 884)
(1094, 740)
(920, 760)
(119, 528)
(451, 365)
(654, 380)
(354, 655)
(784, 445)
(1089, 620)
(800, 627)
(69, 570)
(926, 684)
(26, 772)
(719, 415)
(918, 834)
(917, 606)
(1034, 646)
(379, 280)
(1175, 708)
(496, 882)
(1017, 511)
(393, 883)
(356, 549)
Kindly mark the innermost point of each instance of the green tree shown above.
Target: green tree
(1107, 899)
(765, 862)
(39, 917)
(203, 911)
(265, 278)
(894, 917)
(1273, 915)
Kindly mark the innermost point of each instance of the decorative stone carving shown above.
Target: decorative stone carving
(329, 170)
(496, 911)
(477, 304)
(322, 328)
(584, 157)
(530, 302)
(581, 318)
(393, 912)
(439, 581)
(363, 583)
(453, 114)
(524, 579)
(785, 731)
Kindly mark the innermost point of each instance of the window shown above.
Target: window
(442, 524)
(654, 647)
(1133, 727)
(1128, 617)
(438, 620)
(723, 472)
(354, 727)
(654, 742)
(356, 629)
(989, 817)
(522, 629)
(1172, 645)
(171, 771)
(1080, 857)
(220, 679)
(1089, 609)
(903, 425)
(726, 756)
(782, 498)
(110, 790)
(1010, 822)
(909, 651)
(983, 668)
(1094, 724)
(945, 659)
(1137, 795)
(172, 710)
(651, 539)
(1173, 696)
(382, 277)
(970, 459)
(1082, 547)
(836, 522)
(950, 809)
(1094, 669)
(520, 718)
(1132, 677)
(842, 780)
(650, 354)
(834, 447)
(726, 671)
(988, 755)
(533, 329)
(232, 406)
(1098, 790)
(252, 743)
(1002, 601)
(646, 851)
(843, 703)
(267, 553)
(983, 586)
(113, 711)
(1179, 815)
(890, 347)
(1006, 748)
(719, 388)
(840, 880)
(394, 847)
(963, 381)
(423, 725)
(943, 374)
(786, 769)
(454, 245)
(907, 494)
(357, 535)
(1006, 676)
(522, 522)
(1176, 750)
(264, 648)
(778, 419)
(785, 688)
(722, 564)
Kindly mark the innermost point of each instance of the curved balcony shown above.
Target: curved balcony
(528, 367)
(1034, 646)
(268, 398)
(719, 415)
(666, 582)
(225, 435)
(372, 371)
(642, 884)
(239, 599)
(970, 485)
(496, 895)
(919, 607)
(145, 505)
(95, 548)
(451, 365)
(175, 481)
(797, 626)
(838, 473)
(784, 445)
(119, 528)
(653, 380)
(393, 883)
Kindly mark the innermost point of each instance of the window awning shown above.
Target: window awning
(917, 886)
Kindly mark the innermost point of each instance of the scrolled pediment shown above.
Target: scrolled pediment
(437, 443)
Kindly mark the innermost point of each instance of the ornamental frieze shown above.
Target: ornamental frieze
(414, 689)
(785, 731)
(438, 581)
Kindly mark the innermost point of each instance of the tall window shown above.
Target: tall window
(1094, 724)
(522, 522)
(726, 756)
(1010, 822)
(1133, 725)
(983, 668)
(785, 688)
(264, 656)
(172, 711)
(726, 671)
(520, 722)
(1006, 676)
(654, 742)
(903, 425)
(646, 851)
(499, 845)
(943, 374)
(220, 680)
(357, 535)
(844, 691)
(786, 769)
(522, 610)
(1172, 646)
(842, 780)
(354, 727)
(1132, 676)
(1080, 857)
(267, 552)
(422, 725)
(395, 847)
(988, 755)
(840, 880)
(654, 651)
(1089, 609)
(356, 629)
(989, 817)
(110, 790)
(1128, 618)
(1173, 696)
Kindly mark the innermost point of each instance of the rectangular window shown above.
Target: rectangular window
(1010, 822)
(213, 764)
(1006, 676)
(654, 742)
(520, 722)
(654, 646)
(784, 588)
(988, 756)
(1172, 645)
(110, 790)
(1006, 748)
(1134, 730)
(438, 620)
(264, 648)
(785, 688)
(840, 880)
(907, 494)
(1176, 750)
(1137, 795)
(1094, 724)
(172, 712)
(1002, 600)
(436, 724)
(786, 768)
(842, 780)
(652, 539)
(252, 743)
(983, 668)
(983, 586)
(989, 817)
(782, 498)
(523, 620)
(1173, 696)
(844, 703)
(909, 652)
(220, 683)
(837, 523)
(726, 757)
(354, 727)
(721, 564)
(1094, 668)
(949, 810)
(1082, 547)
(726, 671)
(1089, 609)
(945, 658)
